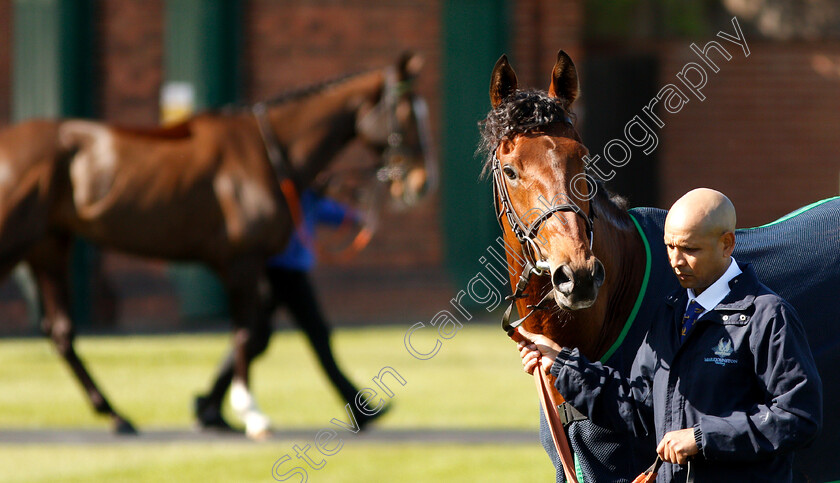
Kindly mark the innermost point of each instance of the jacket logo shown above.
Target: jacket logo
(722, 350)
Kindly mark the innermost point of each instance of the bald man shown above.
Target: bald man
(725, 376)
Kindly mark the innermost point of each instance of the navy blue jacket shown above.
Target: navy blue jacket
(745, 377)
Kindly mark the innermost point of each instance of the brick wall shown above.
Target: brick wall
(299, 42)
(130, 50)
(539, 30)
(286, 46)
(767, 133)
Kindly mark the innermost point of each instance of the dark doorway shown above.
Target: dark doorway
(615, 87)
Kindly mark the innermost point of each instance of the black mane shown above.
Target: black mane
(295, 93)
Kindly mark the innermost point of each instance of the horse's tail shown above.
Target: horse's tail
(30, 166)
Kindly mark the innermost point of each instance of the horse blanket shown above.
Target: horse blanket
(798, 257)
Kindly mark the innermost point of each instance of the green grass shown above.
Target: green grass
(475, 381)
(212, 462)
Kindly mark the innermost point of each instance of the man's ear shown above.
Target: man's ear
(728, 240)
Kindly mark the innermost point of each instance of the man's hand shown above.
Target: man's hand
(539, 350)
(677, 446)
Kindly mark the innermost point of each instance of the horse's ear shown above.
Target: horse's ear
(409, 65)
(564, 79)
(502, 82)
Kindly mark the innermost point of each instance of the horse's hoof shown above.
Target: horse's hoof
(257, 427)
(202, 405)
(122, 426)
(217, 425)
(209, 417)
(363, 420)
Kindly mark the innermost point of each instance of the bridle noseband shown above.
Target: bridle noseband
(535, 262)
(526, 235)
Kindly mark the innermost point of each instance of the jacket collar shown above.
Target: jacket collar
(741, 296)
(716, 292)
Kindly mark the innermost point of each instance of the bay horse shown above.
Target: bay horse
(588, 273)
(219, 188)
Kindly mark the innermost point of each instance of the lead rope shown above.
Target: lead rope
(549, 400)
(649, 474)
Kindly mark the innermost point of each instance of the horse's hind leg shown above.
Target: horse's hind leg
(250, 338)
(208, 408)
(49, 262)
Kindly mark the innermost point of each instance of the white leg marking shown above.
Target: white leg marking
(246, 409)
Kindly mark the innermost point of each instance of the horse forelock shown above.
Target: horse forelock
(519, 113)
(525, 111)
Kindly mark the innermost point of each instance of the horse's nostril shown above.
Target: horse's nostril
(563, 278)
(598, 273)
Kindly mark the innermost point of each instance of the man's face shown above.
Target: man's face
(697, 258)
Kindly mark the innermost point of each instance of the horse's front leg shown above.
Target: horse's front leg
(250, 339)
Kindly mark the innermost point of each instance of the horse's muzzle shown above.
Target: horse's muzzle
(577, 289)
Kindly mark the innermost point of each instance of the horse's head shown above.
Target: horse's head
(541, 190)
(395, 124)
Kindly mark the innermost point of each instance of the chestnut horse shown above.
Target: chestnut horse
(220, 189)
(606, 271)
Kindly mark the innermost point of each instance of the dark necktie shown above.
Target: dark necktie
(691, 313)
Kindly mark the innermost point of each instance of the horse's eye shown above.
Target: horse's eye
(509, 172)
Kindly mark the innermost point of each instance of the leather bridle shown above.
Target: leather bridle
(535, 262)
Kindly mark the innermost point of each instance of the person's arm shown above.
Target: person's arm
(599, 392)
(790, 415)
(332, 213)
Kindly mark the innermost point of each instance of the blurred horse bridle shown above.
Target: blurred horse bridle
(393, 155)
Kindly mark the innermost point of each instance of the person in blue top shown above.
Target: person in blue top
(288, 273)
(725, 376)
(316, 210)
(290, 287)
